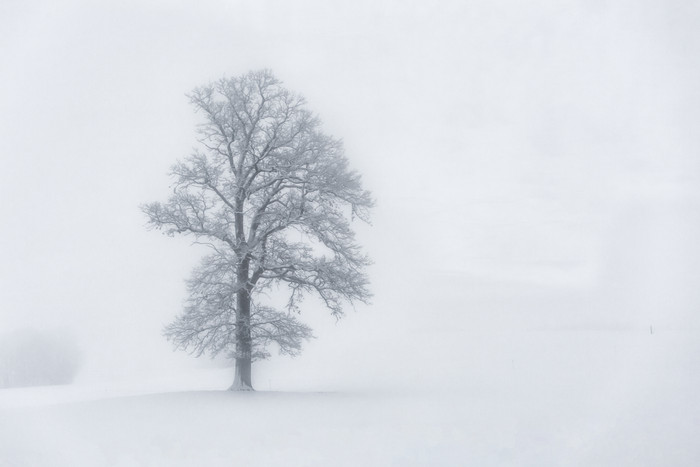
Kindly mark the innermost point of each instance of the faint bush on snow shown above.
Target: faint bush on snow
(34, 358)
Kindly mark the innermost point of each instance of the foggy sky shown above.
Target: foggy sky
(537, 143)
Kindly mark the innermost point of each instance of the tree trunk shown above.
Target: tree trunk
(242, 380)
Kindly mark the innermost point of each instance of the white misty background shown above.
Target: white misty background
(535, 166)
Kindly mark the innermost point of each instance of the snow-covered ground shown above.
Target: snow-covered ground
(511, 391)
(518, 424)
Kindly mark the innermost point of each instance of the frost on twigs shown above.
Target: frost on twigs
(208, 324)
(274, 198)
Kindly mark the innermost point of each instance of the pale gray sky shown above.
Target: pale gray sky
(540, 143)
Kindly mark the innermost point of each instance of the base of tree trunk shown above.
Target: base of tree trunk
(237, 386)
(241, 383)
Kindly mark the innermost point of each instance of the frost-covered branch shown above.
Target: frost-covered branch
(274, 197)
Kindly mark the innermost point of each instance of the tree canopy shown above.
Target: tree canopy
(273, 197)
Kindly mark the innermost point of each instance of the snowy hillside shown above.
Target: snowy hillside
(573, 397)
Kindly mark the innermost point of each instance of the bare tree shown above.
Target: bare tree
(273, 198)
